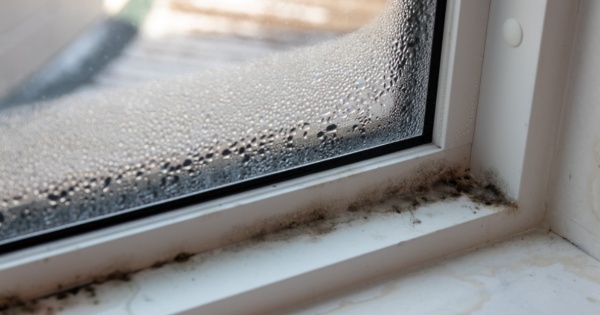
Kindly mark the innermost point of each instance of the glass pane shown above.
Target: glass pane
(93, 155)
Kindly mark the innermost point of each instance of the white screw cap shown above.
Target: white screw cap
(513, 33)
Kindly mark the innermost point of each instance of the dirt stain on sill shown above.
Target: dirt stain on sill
(428, 186)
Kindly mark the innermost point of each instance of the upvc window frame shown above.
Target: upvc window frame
(472, 131)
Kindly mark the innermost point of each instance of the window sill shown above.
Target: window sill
(531, 273)
(293, 266)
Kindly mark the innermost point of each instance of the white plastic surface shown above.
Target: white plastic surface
(262, 276)
(574, 194)
(537, 273)
(520, 101)
(513, 33)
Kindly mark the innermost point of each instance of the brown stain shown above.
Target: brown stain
(576, 264)
(483, 293)
(390, 288)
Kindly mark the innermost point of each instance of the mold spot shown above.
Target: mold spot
(182, 257)
(159, 264)
(115, 276)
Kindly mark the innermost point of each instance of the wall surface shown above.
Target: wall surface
(33, 31)
(574, 192)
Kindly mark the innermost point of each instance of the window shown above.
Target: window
(93, 160)
(510, 94)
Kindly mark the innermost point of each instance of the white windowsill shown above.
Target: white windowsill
(290, 268)
(532, 273)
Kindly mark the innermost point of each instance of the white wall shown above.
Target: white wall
(574, 192)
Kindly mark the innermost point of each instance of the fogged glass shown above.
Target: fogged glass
(93, 154)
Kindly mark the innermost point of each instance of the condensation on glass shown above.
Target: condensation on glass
(89, 156)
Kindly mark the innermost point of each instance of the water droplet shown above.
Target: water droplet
(226, 153)
(361, 84)
(219, 127)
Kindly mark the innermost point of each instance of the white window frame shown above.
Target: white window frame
(497, 113)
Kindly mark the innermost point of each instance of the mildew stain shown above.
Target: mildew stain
(296, 223)
(323, 217)
(13, 304)
(430, 184)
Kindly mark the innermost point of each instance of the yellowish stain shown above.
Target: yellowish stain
(592, 300)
